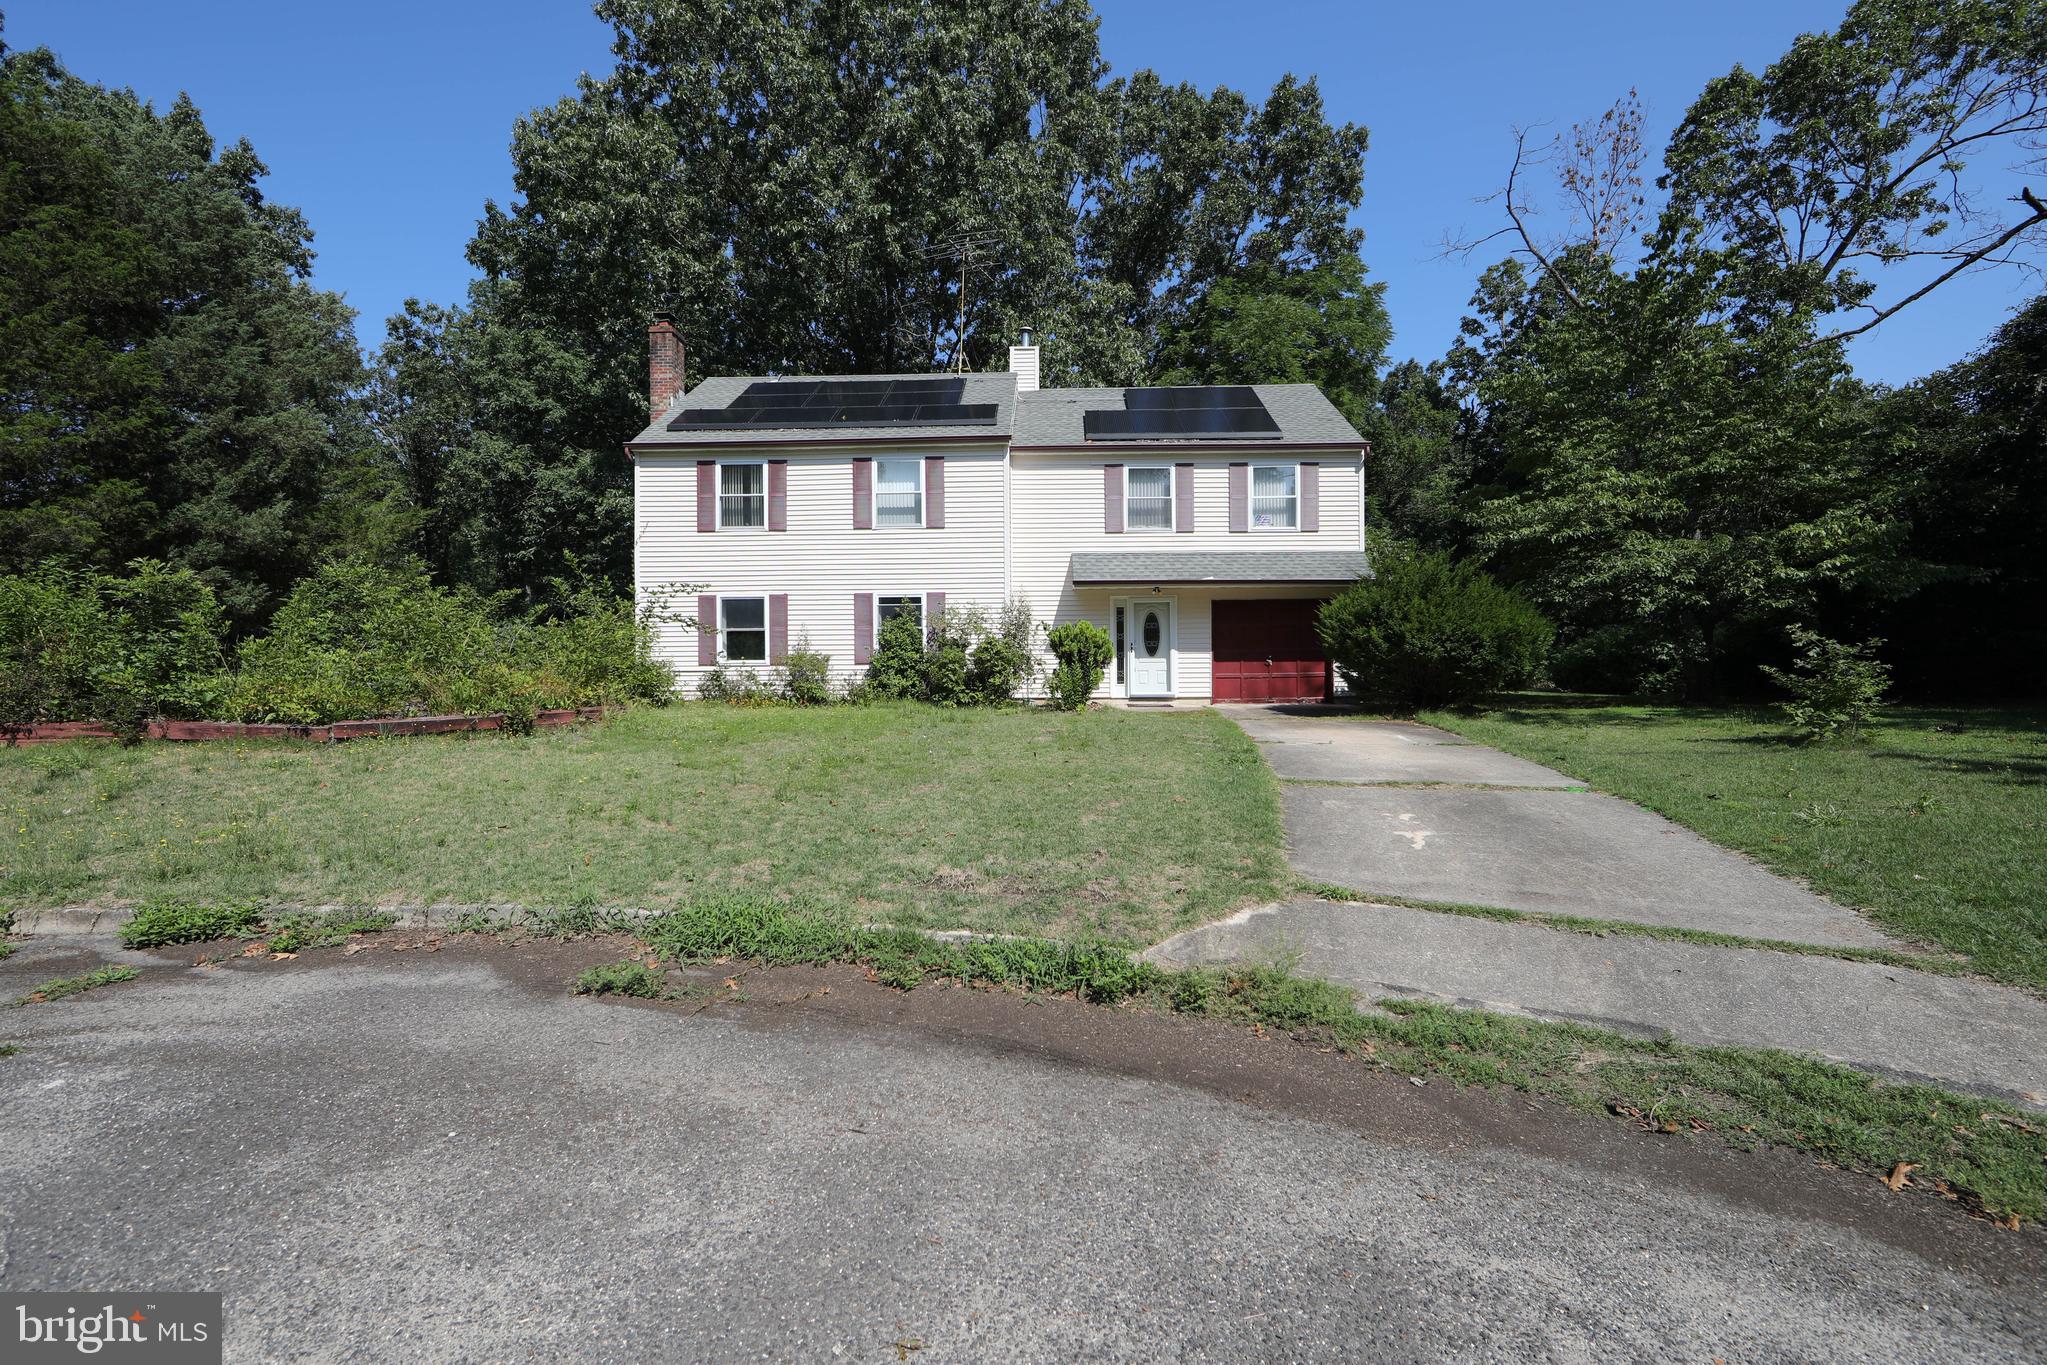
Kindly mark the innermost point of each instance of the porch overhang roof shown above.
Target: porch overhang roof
(1157, 567)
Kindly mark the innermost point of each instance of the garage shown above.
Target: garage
(1269, 651)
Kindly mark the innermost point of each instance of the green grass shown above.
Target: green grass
(1114, 823)
(1990, 1155)
(58, 987)
(1935, 826)
(635, 979)
(170, 920)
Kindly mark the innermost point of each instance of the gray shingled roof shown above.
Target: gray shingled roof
(998, 388)
(1221, 566)
(1052, 417)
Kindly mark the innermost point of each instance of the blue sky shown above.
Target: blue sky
(388, 123)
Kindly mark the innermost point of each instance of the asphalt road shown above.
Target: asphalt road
(443, 1156)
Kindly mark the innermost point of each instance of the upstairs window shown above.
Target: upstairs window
(743, 628)
(742, 495)
(1275, 497)
(899, 492)
(1148, 499)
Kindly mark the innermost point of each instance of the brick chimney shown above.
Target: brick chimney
(664, 364)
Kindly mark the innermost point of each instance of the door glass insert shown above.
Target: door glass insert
(1151, 635)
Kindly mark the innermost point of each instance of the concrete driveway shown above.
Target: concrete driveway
(1411, 811)
(442, 1156)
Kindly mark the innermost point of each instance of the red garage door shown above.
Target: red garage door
(1268, 651)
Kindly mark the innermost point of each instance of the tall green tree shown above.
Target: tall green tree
(170, 383)
(862, 186)
(1974, 438)
(1684, 463)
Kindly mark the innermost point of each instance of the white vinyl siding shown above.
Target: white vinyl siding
(822, 561)
(1046, 534)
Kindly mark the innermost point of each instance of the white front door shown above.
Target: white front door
(1149, 665)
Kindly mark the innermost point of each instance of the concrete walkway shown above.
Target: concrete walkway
(1414, 812)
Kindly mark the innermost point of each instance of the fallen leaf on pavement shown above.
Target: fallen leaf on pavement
(282, 957)
(1896, 1179)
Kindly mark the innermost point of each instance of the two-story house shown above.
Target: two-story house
(1199, 526)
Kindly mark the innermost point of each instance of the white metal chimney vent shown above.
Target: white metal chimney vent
(1023, 361)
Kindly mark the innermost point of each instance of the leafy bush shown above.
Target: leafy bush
(807, 674)
(896, 668)
(996, 670)
(1835, 687)
(176, 921)
(1425, 630)
(1083, 650)
(76, 646)
(1002, 663)
(735, 685)
(358, 639)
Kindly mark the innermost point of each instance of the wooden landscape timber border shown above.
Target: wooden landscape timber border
(57, 732)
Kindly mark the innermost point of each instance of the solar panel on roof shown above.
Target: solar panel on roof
(1182, 414)
(843, 403)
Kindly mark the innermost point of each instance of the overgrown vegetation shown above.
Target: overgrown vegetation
(963, 659)
(1934, 826)
(164, 922)
(1988, 1154)
(1426, 630)
(167, 921)
(113, 647)
(991, 818)
(352, 640)
(58, 988)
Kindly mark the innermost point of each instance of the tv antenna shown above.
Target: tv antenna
(968, 249)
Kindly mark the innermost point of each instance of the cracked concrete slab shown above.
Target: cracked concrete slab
(1328, 745)
(1562, 852)
(1965, 1034)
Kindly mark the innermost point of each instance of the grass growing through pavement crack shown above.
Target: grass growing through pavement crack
(59, 987)
(1989, 1156)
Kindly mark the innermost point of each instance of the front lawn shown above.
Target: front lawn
(1128, 825)
(1937, 826)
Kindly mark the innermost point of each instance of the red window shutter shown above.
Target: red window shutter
(1183, 498)
(863, 493)
(1112, 498)
(778, 626)
(707, 630)
(934, 607)
(863, 627)
(1240, 497)
(707, 496)
(934, 492)
(778, 495)
(1311, 497)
